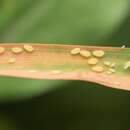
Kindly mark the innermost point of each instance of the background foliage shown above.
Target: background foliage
(74, 104)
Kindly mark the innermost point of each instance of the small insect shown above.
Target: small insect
(113, 64)
(75, 51)
(98, 69)
(127, 65)
(2, 50)
(92, 61)
(17, 50)
(28, 48)
(112, 70)
(123, 46)
(56, 71)
(12, 60)
(85, 53)
(107, 63)
(33, 71)
(116, 83)
(108, 72)
(98, 53)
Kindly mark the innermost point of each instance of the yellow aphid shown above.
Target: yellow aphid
(127, 65)
(75, 51)
(108, 72)
(112, 70)
(98, 53)
(98, 69)
(116, 83)
(33, 71)
(92, 61)
(56, 71)
(12, 60)
(17, 50)
(113, 64)
(28, 48)
(85, 53)
(107, 63)
(2, 50)
(123, 46)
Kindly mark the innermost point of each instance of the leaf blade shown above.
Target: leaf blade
(54, 61)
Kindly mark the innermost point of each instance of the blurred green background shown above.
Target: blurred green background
(27, 104)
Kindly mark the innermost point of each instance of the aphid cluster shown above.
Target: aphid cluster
(17, 50)
(92, 58)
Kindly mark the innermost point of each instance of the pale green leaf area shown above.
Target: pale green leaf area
(55, 21)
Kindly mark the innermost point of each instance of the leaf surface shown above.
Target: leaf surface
(53, 61)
